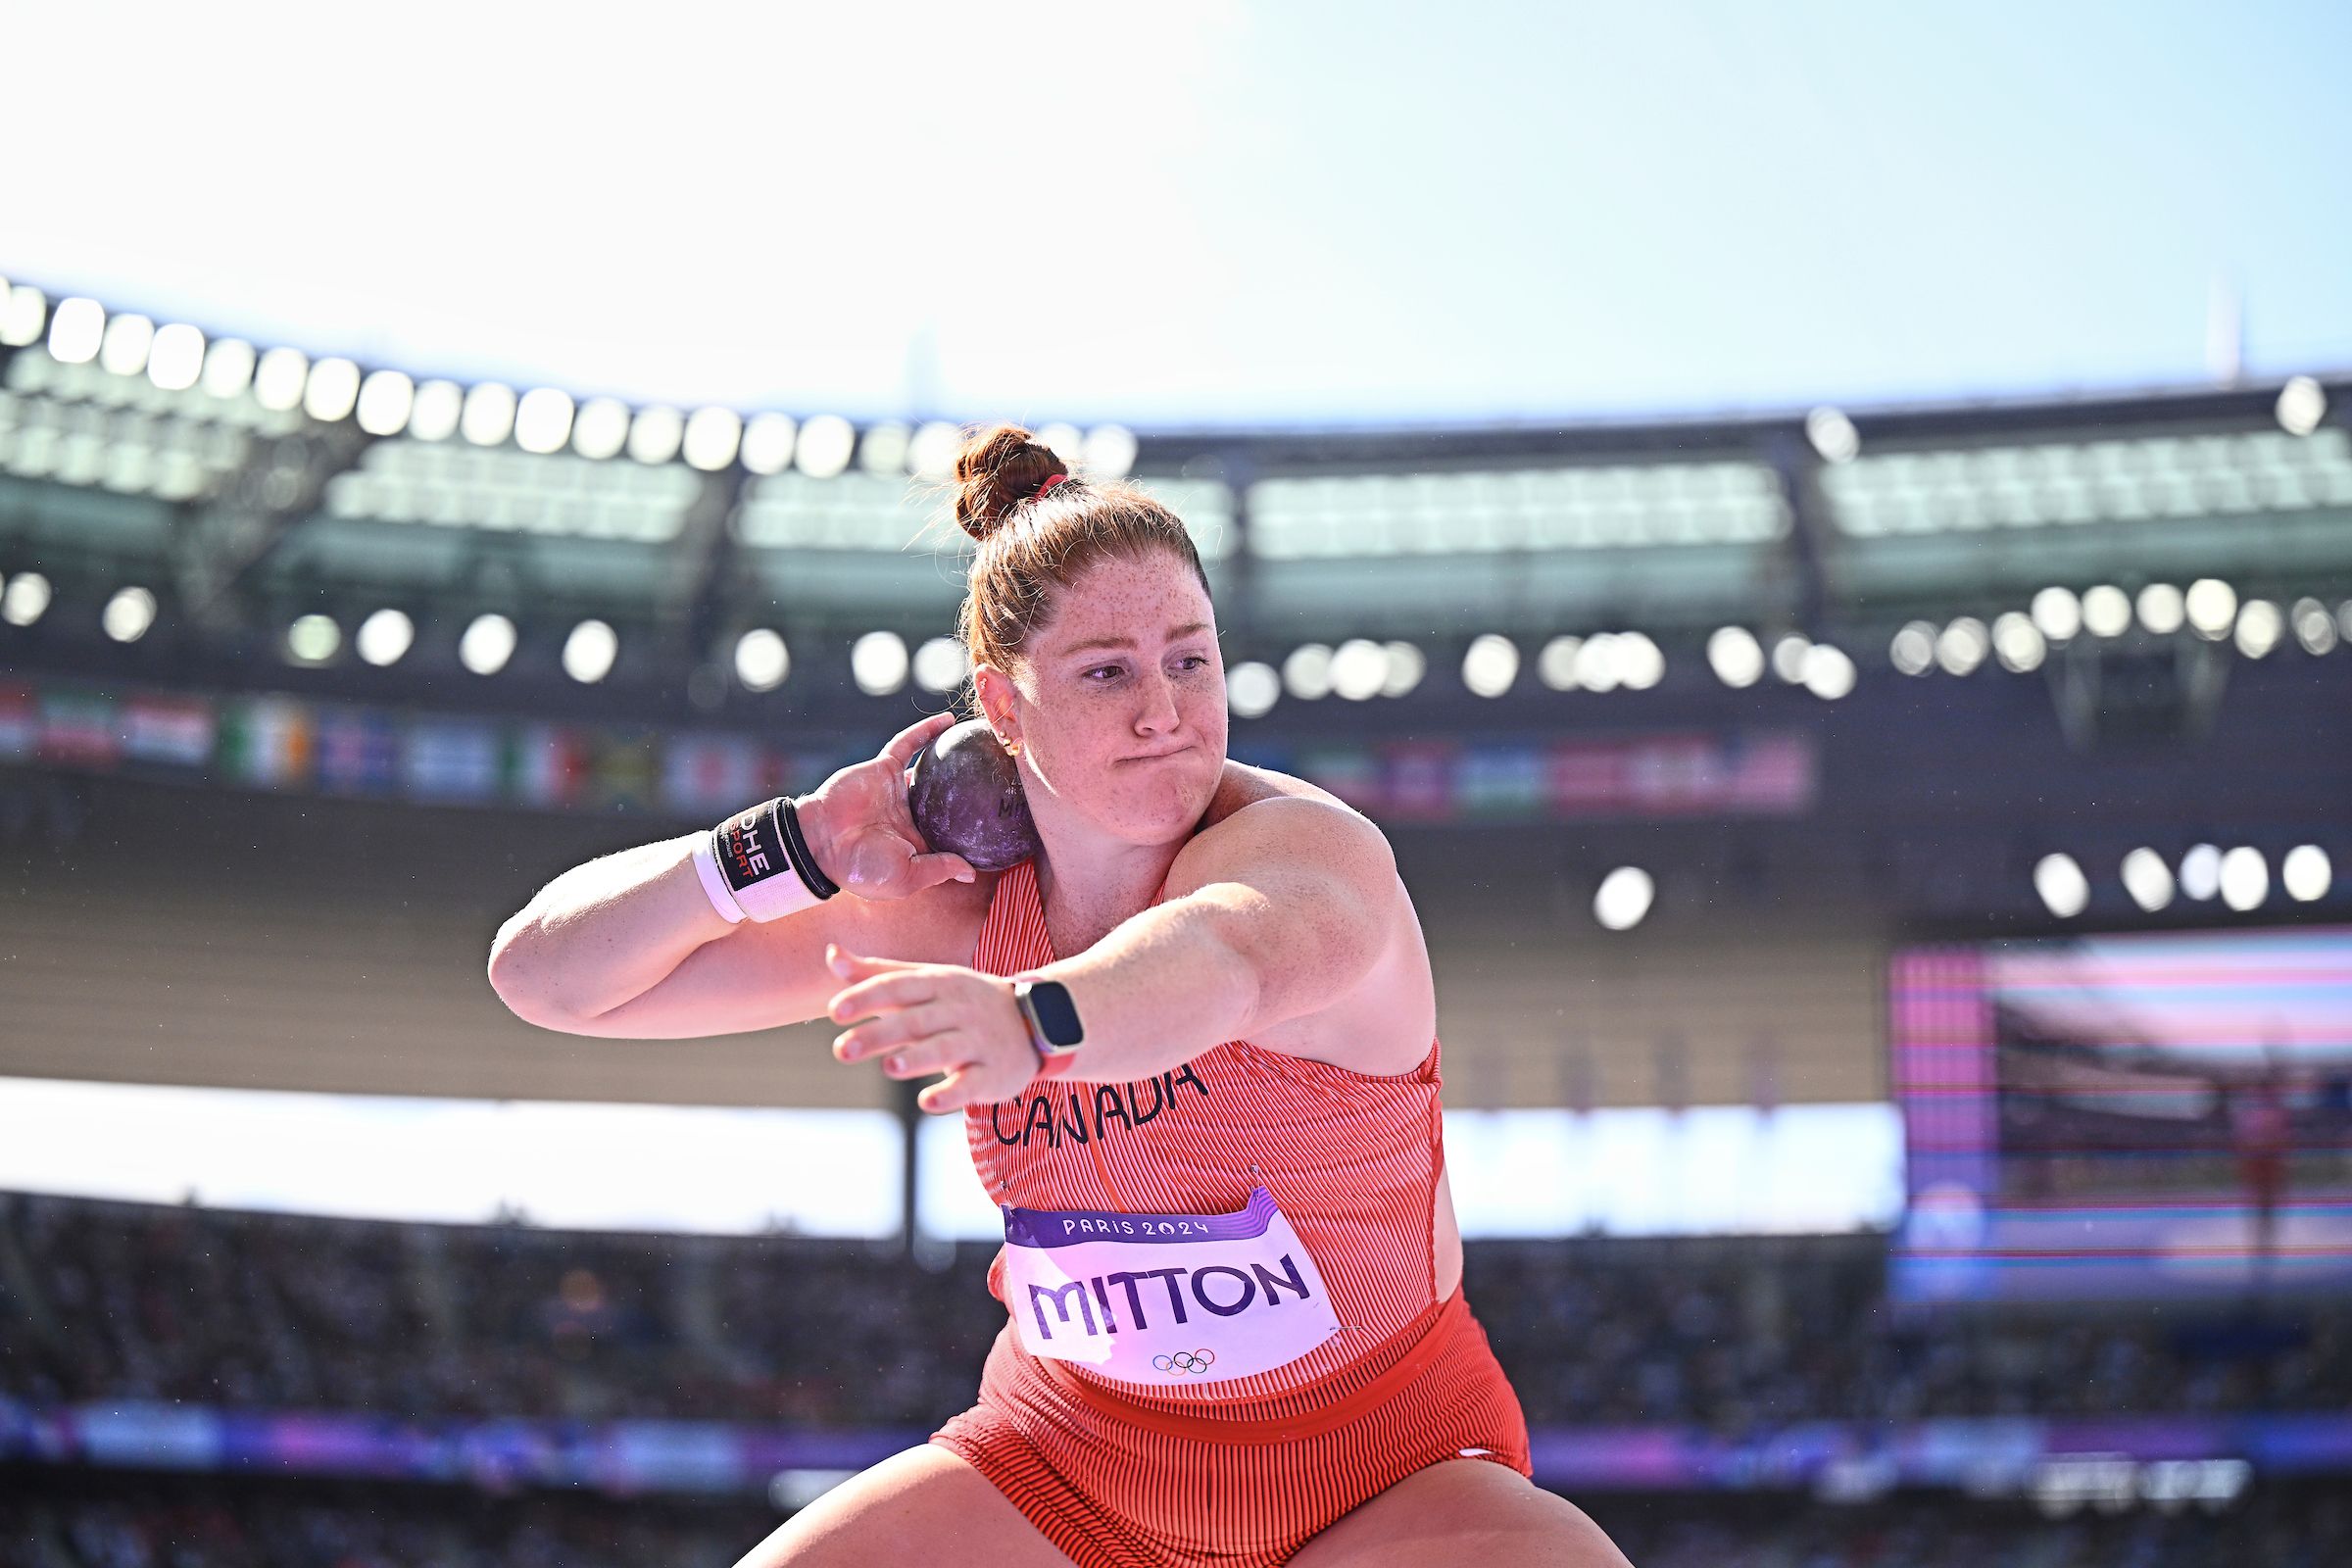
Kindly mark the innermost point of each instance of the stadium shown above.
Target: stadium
(1886, 872)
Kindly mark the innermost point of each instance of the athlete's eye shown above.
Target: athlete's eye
(1101, 670)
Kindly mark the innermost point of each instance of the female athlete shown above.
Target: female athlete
(1235, 1330)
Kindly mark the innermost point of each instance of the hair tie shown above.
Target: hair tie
(1052, 479)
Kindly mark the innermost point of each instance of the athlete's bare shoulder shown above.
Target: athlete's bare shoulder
(1244, 785)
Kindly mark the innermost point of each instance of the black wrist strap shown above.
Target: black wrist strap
(796, 848)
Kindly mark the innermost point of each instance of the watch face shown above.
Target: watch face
(1057, 1016)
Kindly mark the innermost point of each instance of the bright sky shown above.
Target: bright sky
(1206, 213)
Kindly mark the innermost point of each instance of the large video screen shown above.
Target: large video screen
(2153, 1114)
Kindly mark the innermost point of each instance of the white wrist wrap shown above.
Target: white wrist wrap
(746, 866)
(706, 867)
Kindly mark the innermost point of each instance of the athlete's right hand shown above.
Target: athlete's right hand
(861, 831)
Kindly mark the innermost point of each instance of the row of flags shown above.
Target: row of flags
(278, 741)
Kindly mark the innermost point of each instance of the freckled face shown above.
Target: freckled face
(1120, 710)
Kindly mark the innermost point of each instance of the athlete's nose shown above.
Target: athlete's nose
(1159, 712)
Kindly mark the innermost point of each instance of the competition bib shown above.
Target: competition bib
(1165, 1299)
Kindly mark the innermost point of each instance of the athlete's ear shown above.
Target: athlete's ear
(996, 693)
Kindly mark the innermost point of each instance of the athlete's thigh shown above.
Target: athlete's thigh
(1462, 1510)
(925, 1504)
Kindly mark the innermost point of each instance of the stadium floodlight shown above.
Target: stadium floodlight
(2201, 872)
(767, 443)
(229, 364)
(434, 413)
(882, 450)
(599, 430)
(1639, 663)
(2057, 613)
(1491, 664)
(2245, 878)
(2065, 891)
(761, 659)
(385, 637)
(590, 650)
(1307, 672)
(1599, 667)
(712, 437)
(75, 329)
(931, 453)
(824, 447)
(23, 316)
(1963, 645)
(312, 639)
(2302, 405)
(940, 665)
(1832, 435)
(123, 349)
(2212, 607)
(1252, 689)
(385, 398)
(1829, 673)
(2162, 609)
(331, 390)
(656, 434)
(1735, 657)
(2147, 879)
(1624, 898)
(2017, 642)
(2306, 873)
(1406, 666)
(1913, 651)
(129, 615)
(1555, 663)
(25, 599)
(2259, 627)
(878, 663)
(176, 357)
(543, 420)
(2314, 628)
(1359, 667)
(487, 644)
(279, 378)
(1109, 452)
(489, 416)
(2107, 611)
(1789, 657)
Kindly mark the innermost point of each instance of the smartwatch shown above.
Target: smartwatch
(1052, 1016)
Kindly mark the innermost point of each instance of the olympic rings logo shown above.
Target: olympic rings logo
(1186, 1361)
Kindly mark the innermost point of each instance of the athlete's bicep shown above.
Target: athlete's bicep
(1305, 893)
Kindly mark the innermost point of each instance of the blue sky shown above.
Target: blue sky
(1214, 214)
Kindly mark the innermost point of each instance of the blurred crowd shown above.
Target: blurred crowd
(102, 1300)
(155, 1522)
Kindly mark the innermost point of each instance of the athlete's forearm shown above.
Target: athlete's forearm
(1165, 986)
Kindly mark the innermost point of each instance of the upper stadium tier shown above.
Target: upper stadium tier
(234, 508)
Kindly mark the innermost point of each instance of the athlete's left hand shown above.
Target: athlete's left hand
(933, 1017)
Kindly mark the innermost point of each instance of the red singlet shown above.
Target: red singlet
(1239, 1473)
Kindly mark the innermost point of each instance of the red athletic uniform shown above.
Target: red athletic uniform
(1238, 1473)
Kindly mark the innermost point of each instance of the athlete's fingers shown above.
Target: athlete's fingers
(914, 737)
(884, 993)
(892, 1029)
(943, 1052)
(932, 870)
(857, 967)
(949, 1094)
